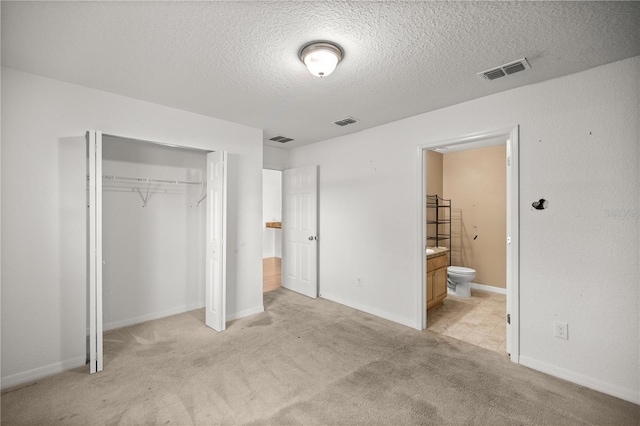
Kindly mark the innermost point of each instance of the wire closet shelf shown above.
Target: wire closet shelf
(145, 186)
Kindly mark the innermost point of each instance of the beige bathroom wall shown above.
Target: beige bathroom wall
(434, 186)
(434, 173)
(475, 181)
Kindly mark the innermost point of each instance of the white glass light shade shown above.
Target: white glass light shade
(321, 58)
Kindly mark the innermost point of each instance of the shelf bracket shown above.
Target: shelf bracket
(203, 194)
(145, 198)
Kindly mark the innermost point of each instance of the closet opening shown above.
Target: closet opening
(156, 236)
(153, 214)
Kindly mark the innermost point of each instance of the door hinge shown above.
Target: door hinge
(508, 318)
(508, 161)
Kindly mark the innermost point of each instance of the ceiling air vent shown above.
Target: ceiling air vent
(506, 69)
(346, 121)
(281, 139)
(517, 67)
(493, 74)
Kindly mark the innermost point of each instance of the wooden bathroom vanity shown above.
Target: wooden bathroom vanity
(437, 277)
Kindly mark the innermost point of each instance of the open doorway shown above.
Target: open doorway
(290, 230)
(469, 226)
(469, 245)
(272, 230)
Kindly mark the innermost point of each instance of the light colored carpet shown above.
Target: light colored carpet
(303, 361)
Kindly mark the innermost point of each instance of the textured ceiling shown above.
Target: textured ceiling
(238, 61)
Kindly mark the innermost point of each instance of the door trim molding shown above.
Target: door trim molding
(94, 250)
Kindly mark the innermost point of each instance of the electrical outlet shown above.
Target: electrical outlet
(561, 330)
(359, 282)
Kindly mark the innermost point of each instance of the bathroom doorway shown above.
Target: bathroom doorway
(477, 177)
(272, 230)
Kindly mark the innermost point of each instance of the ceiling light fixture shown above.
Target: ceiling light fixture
(321, 57)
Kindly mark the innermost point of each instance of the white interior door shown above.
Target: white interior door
(216, 228)
(94, 248)
(300, 230)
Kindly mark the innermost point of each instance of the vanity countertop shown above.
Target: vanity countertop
(437, 251)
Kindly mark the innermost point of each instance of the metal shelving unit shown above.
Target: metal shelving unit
(439, 222)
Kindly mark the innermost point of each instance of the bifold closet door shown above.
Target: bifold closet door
(216, 228)
(94, 248)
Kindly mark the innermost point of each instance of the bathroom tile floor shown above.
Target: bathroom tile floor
(479, 319)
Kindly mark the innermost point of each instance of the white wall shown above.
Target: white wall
(271, 212)
(154, 254)
(275, 158)
(44, 217)
(579, 149)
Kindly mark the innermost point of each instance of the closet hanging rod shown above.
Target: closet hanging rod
(149, 180)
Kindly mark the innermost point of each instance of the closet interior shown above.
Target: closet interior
(154, 219)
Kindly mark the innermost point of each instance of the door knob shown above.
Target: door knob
(313, 238)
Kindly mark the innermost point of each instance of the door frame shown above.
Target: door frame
(281, 170)
(513, 227)
(94, 250)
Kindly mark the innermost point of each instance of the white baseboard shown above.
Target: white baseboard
(137, 320)
(370, 310)
(41, 372)
(581, 379)
(246, 313)
(489, 288)
(59, 367)
(150, 317)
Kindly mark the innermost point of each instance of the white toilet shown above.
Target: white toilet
(459, 280)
